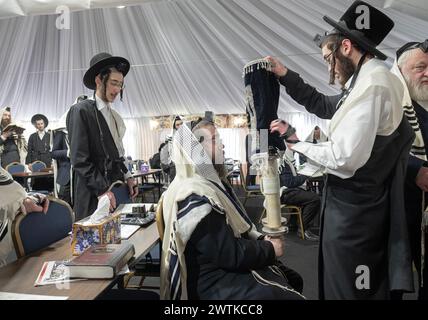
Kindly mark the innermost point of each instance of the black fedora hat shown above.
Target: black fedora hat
(39, 116)
(367, 35)
(99, 62)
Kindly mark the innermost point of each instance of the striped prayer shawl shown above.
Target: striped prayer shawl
(418, 146)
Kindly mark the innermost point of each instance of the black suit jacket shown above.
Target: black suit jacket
(94, 156)
(59, 153)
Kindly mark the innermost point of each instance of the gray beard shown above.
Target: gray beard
(417, 92)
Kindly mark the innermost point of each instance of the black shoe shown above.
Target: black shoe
(311, 236)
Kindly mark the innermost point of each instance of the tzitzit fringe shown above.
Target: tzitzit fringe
(265, 282)
(256, 65)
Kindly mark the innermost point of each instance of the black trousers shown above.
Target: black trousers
(308, 200)
(65, 194)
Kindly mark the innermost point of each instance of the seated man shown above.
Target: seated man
(13, 198)
(295, 195)
(211, 250)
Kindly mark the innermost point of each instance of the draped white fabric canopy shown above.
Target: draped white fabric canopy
(186, 55)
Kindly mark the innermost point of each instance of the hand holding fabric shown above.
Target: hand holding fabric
(283, 129)
(111, 198)
(277, 67)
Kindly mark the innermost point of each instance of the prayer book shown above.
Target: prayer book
(101, 261)
(14, 127)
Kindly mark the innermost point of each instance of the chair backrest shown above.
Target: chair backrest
(243, 177)
(15, 167)
(37, 166)
(37, 230)
(121, 192)
(160, 223)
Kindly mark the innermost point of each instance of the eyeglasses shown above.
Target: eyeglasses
(413, 45)
(327, 57)
(118, 84)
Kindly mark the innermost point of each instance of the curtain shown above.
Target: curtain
(187, 57)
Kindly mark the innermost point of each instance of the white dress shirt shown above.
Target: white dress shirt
(117, 128)
(372, 108)
(41, 134)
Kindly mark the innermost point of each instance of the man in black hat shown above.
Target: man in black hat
(411, 66)
(39, 142)
(364, 251)
(13, 147)
(95, 133)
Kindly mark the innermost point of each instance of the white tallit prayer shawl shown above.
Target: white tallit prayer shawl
(179, 226)
(194, 177)
(417, 150)
(418, 146)
(12, 196)
(373, 107)
(21, 143)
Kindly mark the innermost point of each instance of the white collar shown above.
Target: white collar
(101, 104)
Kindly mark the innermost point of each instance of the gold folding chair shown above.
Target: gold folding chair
(250, 191)
(288, 210)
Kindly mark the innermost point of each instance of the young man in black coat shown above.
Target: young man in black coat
(95, 132)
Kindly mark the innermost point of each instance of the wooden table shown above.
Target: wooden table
(19, 277)
(141, 174)
(33, 174)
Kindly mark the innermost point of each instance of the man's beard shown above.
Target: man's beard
(346, 68)
(221, 170)
(5, 122)
(418, 92)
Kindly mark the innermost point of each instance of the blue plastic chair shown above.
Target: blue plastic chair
(121, 192)
(15, 167)
(37, 230)
(37, 166)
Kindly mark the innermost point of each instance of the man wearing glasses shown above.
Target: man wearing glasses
(411, 66)
(364, 249)
(96, 131)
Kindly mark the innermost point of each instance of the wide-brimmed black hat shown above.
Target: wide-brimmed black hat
(99, 62)
(364, 25)
(39, 116)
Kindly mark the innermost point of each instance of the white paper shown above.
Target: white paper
(127, 230)
(22, 296)
(127, 207)
(102, 211)
(53, 272)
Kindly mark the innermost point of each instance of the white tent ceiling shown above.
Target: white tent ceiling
(186, 55)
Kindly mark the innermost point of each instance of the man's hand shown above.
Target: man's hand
(278, 245)
(133, 188)
(36, 203)
(281, 127)
(112, 199)
(422, 179)
(277, 67)
(6, 135)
